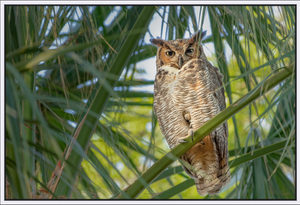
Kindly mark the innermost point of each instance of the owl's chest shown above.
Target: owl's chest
(165, 84)
(173, 84)
(170, 91)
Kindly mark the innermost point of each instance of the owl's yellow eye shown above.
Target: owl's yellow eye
(170, 53)
(189, 51)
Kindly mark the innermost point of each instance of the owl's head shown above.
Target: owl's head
(176, 53)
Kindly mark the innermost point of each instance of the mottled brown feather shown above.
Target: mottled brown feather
(194, 90)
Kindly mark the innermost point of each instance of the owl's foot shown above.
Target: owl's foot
(191, 133)
(187, 117)
(184, 139)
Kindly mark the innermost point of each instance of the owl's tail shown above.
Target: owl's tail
(210, 172)
(207, 185)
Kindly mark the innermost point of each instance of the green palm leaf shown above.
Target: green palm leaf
(79, 83)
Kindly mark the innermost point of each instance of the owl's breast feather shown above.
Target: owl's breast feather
(170, 70)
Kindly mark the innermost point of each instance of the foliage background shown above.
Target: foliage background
(65, 61)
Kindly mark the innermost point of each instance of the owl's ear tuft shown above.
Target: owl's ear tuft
(195, 37)
(158, 42)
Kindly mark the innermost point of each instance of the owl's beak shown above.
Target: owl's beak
(180, 61)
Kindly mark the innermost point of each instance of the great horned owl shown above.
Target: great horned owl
(187, 93)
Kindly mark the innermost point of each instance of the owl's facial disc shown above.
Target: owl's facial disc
(175, 58)
(177, 54)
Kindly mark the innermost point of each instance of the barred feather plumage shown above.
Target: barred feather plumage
(187, 97)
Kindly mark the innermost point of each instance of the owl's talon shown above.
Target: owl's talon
(191, 133)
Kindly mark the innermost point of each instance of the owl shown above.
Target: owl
(188, 92)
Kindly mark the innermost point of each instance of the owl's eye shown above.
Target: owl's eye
(170, 53)
(189, 51)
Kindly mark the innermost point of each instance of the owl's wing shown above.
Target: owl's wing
(220, 138)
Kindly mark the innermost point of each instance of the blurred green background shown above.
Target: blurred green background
(79, 86)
